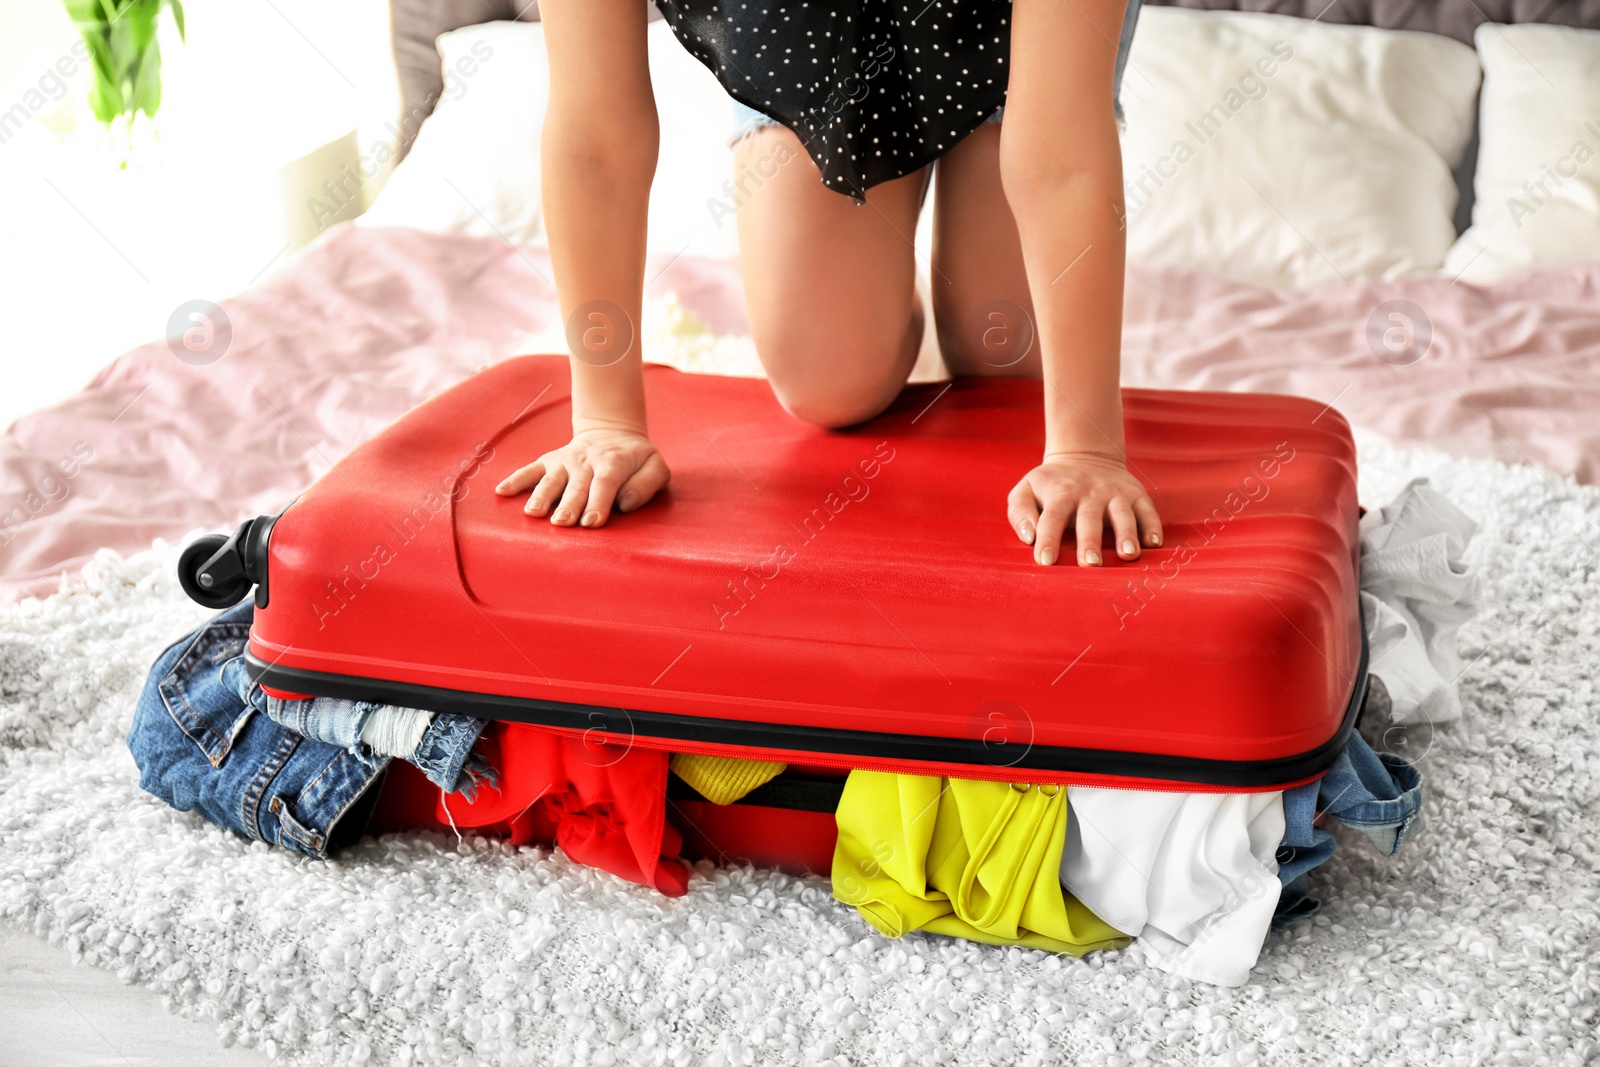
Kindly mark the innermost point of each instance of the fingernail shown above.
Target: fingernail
(591, 519)
(1155, 539)
(1047, 557)
(562, 516)
(1129, 548)
(1027, 533)
(500, 488)
(1092, 558)
(624, 503)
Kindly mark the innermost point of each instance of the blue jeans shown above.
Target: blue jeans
(1378, 793)
(204, 741)
(445, 752)
(747, 120)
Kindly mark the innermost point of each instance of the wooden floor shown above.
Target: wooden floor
(57, 1013)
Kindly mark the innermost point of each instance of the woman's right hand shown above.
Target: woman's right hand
(596, 470)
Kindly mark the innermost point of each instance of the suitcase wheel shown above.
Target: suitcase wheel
(204, 585)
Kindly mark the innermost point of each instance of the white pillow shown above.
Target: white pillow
(1289, 153)
(474, 167)
(1537, 191)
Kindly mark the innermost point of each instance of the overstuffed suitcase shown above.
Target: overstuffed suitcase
(832, 599)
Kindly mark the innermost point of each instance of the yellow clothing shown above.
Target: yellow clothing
(979, 860)
(722, 779)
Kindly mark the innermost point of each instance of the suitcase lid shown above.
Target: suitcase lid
(851, 597)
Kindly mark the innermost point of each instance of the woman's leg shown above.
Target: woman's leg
(830, 283)
(981, 306)
(982, 309)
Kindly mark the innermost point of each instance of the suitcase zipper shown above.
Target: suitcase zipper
(975, 774)
(1143, 772)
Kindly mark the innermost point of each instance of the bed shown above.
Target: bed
(370, 319)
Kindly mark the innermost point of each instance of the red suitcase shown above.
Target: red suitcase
(839, 599)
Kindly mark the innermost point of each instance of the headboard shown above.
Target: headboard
(1453, 18)
(415, 24)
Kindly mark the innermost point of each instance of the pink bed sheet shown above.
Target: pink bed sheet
(1509, 371)
(367, 323)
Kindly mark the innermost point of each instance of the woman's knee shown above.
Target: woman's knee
(840, 379)
(834, 407)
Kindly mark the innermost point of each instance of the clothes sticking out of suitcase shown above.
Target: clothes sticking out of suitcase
(826, 651)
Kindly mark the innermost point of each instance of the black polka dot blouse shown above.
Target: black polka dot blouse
(875, 89)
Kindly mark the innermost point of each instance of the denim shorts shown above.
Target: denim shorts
(747, 120)
(206, 738)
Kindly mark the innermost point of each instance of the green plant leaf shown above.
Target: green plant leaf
(147, 85)
(105, 99)
(84, 12)
(100, 52)
(123, 52)
(140, 17)
(122, 36)
(126, 55)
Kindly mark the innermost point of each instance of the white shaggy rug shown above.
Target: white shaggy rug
(1479, 944)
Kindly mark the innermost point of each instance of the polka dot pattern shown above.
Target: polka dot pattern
(874, 89)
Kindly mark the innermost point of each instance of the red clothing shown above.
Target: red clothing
(603, 805)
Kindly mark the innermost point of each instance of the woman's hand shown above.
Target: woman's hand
(597, 469)
(1088, 488)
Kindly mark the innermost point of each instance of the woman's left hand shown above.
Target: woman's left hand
(1088, 489)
